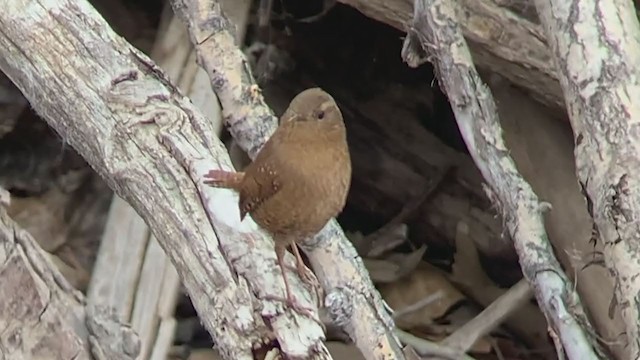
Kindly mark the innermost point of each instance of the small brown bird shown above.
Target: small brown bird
(300, 178)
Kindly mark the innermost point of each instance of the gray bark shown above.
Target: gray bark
(152, 146)
(436, 35)
(351, 296)
(42, 316)
(596, 46)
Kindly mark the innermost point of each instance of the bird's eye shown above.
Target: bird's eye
(320, 115)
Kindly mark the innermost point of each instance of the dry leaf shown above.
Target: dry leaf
(425, 281)
(394, 266)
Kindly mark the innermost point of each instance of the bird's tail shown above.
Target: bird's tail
(224, 179)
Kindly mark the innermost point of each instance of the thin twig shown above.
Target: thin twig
(418, 305)
(430, 349)
(491, 317)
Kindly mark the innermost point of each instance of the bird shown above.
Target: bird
(298, 181)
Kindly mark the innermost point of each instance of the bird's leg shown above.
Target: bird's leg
(224, 179)
(281, 249)
(305, 273)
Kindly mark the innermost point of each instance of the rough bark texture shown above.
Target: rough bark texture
(351, 298)
(152, 146)
(500, 40)
(435, 32)
(542, 147)
(42, 316)
(34, 301)
(596, 45)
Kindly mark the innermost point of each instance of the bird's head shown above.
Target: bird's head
(313, 105)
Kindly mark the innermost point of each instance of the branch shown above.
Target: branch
(132, 274)
(351, 296)
(490, 318)
(42, 315)
(596, 50)
(435, 32)
(152, 146)
(501, 41)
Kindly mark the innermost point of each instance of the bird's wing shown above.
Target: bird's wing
(258, 189)
(261, 180)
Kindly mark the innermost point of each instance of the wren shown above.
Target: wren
(300, 178)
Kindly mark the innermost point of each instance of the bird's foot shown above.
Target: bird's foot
(307, 275)
(309, 278)
(223, 178)
(297, 307)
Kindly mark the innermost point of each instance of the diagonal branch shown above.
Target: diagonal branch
(596, 48)
(351, 297)
(435, 32)
(152, 146)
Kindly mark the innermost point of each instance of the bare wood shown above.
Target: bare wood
(34, 302)
(41, 315)
(490, 318)
(120, 257)
(110, 338)
(528, 128)
(351, 296)
(501, 41)
(152, 146)
(435, 32)
(144, 318)
(596, 49)
(164, 340)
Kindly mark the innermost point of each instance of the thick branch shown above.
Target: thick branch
(435, 31)
(596, 49)
(351, 296)
(152, 146)
(42, 316)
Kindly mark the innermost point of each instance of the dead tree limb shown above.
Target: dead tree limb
(597, 51)
(152, 146)
(132, 274)
(501, 41)
(41, 315)
(435, 35)
(351, 296)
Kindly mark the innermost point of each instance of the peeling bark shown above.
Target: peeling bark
(351, 299)
(596, 45)
(152, 146)
(435, 35)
